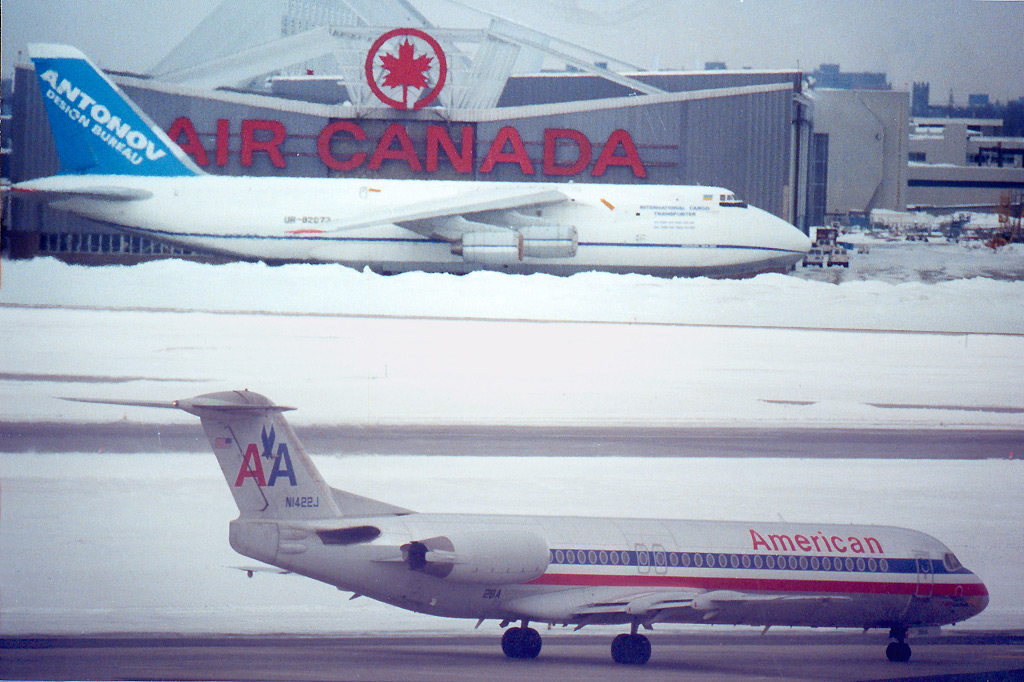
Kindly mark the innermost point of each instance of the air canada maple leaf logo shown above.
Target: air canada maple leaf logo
(406, 68)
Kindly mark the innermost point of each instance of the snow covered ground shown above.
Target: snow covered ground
(357, 348)
(102, 542)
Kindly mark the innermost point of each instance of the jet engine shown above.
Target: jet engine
(509, 246)
(489, 557)
(549, 241)
(490, 248)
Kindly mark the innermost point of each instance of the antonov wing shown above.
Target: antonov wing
(445, 218)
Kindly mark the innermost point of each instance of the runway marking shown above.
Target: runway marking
(530, 320)
(82, 378)
(1000, 409)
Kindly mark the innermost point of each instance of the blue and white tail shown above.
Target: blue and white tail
(97, 129)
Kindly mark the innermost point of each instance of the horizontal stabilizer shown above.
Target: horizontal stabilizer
(98, 192)
(170, 405)
(191, 405)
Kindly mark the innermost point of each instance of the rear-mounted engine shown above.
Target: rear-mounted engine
(490, 557)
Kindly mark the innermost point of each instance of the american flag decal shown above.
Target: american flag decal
(222, 442)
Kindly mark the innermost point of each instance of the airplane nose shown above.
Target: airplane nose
(784, 237)
(792, 239)
(977, 604)
(979, 600)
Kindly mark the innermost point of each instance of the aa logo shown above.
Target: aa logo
(252, 462)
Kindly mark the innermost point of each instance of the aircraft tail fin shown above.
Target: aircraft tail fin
(96, 128)
(266, 467)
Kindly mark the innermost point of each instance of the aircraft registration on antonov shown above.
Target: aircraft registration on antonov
(570, 570)
(119, 168)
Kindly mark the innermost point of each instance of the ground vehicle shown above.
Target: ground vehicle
(839, 256)
(816, 256)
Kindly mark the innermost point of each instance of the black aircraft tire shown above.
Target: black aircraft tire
(631, 649)
(511, 642)
(898, 652)
(529, 643)
(521, 643)
(619, 647)
(641, 649)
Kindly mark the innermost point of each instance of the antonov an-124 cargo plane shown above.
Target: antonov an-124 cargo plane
(570, 570)
(119, 168)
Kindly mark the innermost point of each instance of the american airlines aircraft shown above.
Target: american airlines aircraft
(570, 570)
(119, 168)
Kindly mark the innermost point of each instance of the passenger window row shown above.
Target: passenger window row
(660, 558)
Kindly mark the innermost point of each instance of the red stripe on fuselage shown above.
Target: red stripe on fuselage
(763, 584)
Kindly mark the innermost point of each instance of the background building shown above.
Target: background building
(963, 162)
(832, 77)
(861, 137)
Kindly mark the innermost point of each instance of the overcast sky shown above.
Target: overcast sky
(969, 46)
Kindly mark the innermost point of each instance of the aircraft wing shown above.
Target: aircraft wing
(722, 597)
(587, 606)
(446, 218)
(598, 605)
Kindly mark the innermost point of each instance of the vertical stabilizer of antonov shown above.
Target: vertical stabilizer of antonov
(96, 128)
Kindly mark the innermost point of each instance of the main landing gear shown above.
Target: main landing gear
(521, 642)
(631, 649)
(524, 642)
(898, 650)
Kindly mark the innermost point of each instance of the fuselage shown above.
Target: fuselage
(718, 572)
(661, 230)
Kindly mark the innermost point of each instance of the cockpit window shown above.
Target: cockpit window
(950, 561)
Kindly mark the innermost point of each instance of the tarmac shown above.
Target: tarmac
(735, 656)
